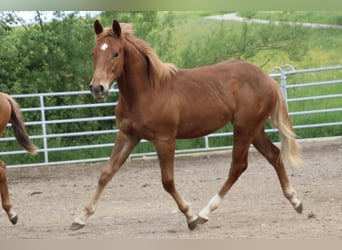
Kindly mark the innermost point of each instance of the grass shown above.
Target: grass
(322, 43)
(324, 17)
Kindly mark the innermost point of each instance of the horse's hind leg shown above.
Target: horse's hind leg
(6, 203)
(264, 145)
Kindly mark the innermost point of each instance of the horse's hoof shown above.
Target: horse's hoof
(199, 220)
(299, 208)
(14, 220)
(192, 225)
(76, 226)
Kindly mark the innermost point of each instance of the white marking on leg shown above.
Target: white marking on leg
(104, 46)
(84, 215)
(291, 196)
(190, 217)
(90, 208)
(11, 214)
(212, 205)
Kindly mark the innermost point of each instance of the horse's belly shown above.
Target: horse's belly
(200, 124)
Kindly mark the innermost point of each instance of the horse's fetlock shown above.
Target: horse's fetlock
(289, 193)
(89, 210)
(6, 206)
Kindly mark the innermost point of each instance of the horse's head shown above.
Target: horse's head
(108, 58)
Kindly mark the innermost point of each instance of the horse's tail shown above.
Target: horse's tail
(280, 119)
(19, 128)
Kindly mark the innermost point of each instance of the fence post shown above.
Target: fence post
(283, 84)
(45, 144)
(206, 142)
(283, 80)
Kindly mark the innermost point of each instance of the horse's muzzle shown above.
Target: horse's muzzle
(98, 91)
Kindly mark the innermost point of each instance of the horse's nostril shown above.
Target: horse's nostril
(97, 88)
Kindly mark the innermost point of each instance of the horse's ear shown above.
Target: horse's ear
(116, 28)
(98, 27)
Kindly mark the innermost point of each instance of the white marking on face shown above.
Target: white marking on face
(104, 47)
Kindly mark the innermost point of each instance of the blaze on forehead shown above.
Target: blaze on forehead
(104, 46)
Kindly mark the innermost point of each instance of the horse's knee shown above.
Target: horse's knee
(105, 177)
(169, 186)
(237, 169)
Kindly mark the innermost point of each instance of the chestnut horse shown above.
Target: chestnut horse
(161, 103)
(10, 112)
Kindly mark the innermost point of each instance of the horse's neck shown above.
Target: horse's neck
(134, 81)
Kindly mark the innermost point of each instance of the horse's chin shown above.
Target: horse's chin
(100, 98)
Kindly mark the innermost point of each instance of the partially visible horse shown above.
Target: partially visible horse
(10, 112)
(161, 103)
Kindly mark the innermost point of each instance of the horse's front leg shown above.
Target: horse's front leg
(165, 149)
(5, 199)
(124, 145)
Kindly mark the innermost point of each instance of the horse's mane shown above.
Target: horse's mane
(158, 70)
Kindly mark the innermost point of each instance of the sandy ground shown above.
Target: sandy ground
(134, 204)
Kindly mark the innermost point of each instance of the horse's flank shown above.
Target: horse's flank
(13, 114)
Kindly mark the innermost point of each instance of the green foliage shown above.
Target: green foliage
(49, 57)
(202, 42)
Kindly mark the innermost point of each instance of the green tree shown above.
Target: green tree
(151, 26)
(51, 57)
(243, 41)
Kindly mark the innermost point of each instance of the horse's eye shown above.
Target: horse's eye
(116, 55)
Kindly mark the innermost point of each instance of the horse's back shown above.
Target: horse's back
(230, 83)
(227, 74)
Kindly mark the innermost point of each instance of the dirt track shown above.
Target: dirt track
(134, 204)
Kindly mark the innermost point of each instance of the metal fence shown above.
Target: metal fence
(304, 108)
